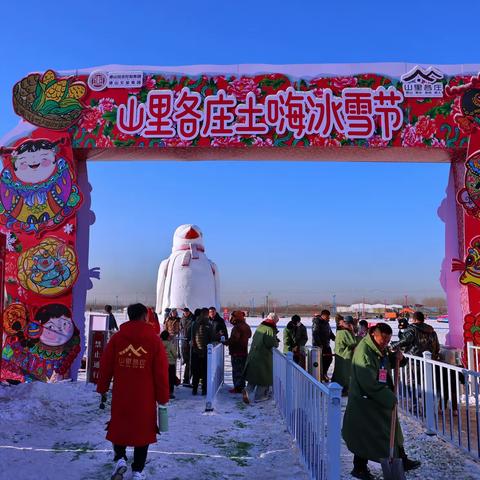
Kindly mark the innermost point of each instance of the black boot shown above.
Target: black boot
(360, 469)
(363, 474)
(408, 463)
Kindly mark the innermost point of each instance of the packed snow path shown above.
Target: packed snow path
(440, 460)
(56, 431)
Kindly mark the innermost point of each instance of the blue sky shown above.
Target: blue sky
(301, 231)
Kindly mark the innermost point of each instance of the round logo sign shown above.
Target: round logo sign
(97, 80)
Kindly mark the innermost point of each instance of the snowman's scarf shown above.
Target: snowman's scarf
(191, 252)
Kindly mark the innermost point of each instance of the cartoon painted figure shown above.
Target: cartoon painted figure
(469, 197)
(49, 268)
(37, 191)
(57, 330)
(50, 271)
(471, 266)
(45, 348)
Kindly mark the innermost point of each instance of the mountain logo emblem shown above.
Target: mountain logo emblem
(138, 352)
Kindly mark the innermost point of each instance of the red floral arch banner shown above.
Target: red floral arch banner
(270, 110)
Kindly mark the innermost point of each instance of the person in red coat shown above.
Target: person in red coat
(136, 360)
(152, 320)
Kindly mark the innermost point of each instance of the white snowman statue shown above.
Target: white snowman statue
(187, 278)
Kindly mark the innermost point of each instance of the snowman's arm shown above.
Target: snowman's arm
(216, 276)
(162, 274)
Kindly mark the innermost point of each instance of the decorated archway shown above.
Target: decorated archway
(377, 112)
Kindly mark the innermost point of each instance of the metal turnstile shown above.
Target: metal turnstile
(314, 362)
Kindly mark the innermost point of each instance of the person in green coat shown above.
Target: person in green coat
(345, 343)
(289, 335)
(259, 365)
(366, 423)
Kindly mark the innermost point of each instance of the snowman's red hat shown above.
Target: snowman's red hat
(191, 234)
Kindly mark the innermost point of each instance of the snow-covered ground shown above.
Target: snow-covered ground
(56, 431)
(440, 460)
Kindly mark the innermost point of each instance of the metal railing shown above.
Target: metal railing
(473, 357)
(215, 372)
(312, 412)
(445, 398)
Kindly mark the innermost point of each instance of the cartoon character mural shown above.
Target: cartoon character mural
(469, 196)
(470, 268)
(49, 268)
(42, 348)
(467, 118)
(38, 194)
(37, 189)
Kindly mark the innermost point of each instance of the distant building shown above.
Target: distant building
(368, 308)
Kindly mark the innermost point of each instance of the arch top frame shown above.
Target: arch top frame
(114, 110)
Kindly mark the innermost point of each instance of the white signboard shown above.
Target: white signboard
(420, 82)
(100, 80)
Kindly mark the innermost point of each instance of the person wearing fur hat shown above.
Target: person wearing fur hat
(289, 336)
(345, 343)
(322, 334)
(238, 349)
(259, 365)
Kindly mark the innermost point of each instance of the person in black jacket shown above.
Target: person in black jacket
(418, 337)
(200, 335)
(402, 326)
(112, 322)
(322, 334)
(219, 328)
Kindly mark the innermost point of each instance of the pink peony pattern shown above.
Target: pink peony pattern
(410, 137)
(149, 82)
(425, 127)
(339, 83)
(262, 142)
(318, 141)
(106, 105)
(436, 142)
(318, 92)
(227, 142)
(332, 142)
(241, 87)
(177, 142)
(377, 141)
(91, 117)
(104, 142)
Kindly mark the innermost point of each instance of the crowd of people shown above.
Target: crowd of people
(363, 359)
